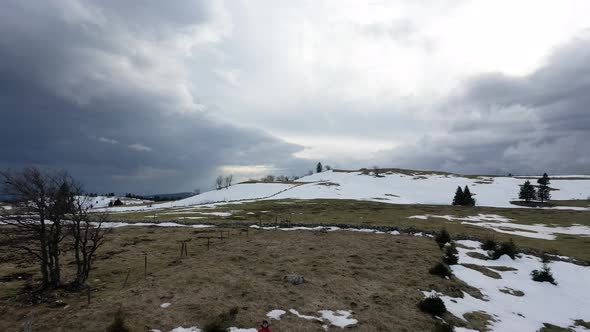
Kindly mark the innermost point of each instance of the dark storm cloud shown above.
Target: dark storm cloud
(92, 88)
(498, 124)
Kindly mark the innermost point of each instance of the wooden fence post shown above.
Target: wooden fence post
(126, 278)
(88, 293)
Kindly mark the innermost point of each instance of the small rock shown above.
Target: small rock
(294, 279)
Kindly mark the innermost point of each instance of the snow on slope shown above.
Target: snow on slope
(424, 189)
(395, 188)
(238, 192)
(542, 302)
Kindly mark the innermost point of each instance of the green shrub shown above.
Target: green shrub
(443, 327)
(505, 248)
(441, 270)
(118, 324)
(489, 244)
(222, 322)
(442, 238)
(451, 254)
(433, 305)
(543, 275)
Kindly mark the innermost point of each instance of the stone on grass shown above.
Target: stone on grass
(294, 279)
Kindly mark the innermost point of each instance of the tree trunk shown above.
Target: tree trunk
(44, 258)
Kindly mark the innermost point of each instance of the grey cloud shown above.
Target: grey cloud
(77, 92)
(499, 124)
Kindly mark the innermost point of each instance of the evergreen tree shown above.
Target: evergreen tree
(544, 180)
(543, 192)
(319, 168)
(467, 198)
(459, 197)
(451, 256)
(442, 238)
(527, 191)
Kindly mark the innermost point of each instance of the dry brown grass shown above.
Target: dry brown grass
(364, 213)
(379, 277)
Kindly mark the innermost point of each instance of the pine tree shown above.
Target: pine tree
(319, 168)
(544, 180)
(467, 198)
(451, 256)
(527, 191)
(459, 197)
(543, 192)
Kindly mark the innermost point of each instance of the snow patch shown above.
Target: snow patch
(536, 231)
(502, 224)
(542, 302)
(275, 314)
(340, 318)
(186, 329)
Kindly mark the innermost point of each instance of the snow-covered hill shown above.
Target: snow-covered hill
(391, 187)
(237, 192)
(425, 188)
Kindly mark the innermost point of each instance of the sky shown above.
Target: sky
(157, 96)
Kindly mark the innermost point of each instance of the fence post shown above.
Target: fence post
(88, 293)
(126, 278)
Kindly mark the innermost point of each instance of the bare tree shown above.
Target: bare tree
(376, 171)
(41, 203)
(87, 238)
(48, 208)
(219, 182)
(228, 180)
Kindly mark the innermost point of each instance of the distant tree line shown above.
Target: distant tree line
(225, 181)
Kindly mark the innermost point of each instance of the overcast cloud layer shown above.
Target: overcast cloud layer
(163, 96)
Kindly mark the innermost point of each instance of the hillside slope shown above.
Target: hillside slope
(390, 187)
(425, 189)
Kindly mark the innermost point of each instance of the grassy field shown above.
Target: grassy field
(365, 213)
(553, 203)
(378, 277)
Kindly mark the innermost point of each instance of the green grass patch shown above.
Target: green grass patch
(367, 213)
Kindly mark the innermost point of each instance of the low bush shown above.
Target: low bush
(489, 244)
(118, 324)
(443, 327)
(222, 322)
(543, 275)
(442, 238)
(451, 254)
(505, 248)
(441, 270)
(433, 305)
